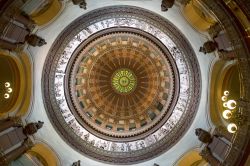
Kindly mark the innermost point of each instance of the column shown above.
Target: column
(222, 132)
(5, 124)
(227, 55)
(24, 20)
(214, 29)
(7, 158)
(207, 155)
(7, 45)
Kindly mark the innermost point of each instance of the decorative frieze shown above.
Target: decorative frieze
(106, 20)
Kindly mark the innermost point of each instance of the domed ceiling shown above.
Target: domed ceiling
(121, 84)
(124, 84)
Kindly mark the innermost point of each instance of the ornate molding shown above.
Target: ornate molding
(182, 52)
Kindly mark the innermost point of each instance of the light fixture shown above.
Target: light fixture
(224, 98)
(7, 84)
(232, 115)
(227, 114)
(226, 93)
(9, 90)
(6, 96)
(232, 128)
(231, 104)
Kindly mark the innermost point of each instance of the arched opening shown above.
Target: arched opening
(198, 16)
(40, 154)
(45, 12)
(15, 83)
(44, 154)
(225, 77)
(9, 83)
(191, 158)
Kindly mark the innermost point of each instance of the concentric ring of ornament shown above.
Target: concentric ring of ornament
(114, 151)
(123, 81)
(119, 116)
